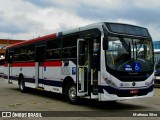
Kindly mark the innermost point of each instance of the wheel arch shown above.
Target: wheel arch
(66, 81)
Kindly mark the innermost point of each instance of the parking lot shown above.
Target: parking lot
(11, 99)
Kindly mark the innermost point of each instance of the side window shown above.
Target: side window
(70, 46)
(16, 57)
(54, 44)
(53, 49)
(16, 54)
(30, 53)
(20, 54)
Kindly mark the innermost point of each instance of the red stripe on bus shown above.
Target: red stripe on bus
(29, 64)
(52, 63)
(24, 64)
(5, 65)
(32, 64)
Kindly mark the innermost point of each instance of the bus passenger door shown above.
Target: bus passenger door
(39, 66)
(82, 67)
(95, 66)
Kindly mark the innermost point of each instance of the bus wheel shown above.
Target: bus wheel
(22, 85)
(70, 94)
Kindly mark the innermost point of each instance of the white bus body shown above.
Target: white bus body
(77, 70)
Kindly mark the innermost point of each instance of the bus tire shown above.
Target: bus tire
(70, 94)
(22, 85)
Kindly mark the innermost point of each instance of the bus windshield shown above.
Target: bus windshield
(129, 55)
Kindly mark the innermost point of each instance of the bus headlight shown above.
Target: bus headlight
(152, 82)
(149, 83)
(110, 83)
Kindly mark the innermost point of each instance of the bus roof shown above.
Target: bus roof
(50, 36)
(32, 41)
(112, 25)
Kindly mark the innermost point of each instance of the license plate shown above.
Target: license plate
(133, 91)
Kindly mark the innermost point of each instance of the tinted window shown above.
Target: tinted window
(54, 43)
(70, 46)
(54, 49)
(20, 54)
(30, 53)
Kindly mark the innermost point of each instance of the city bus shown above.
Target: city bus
(99, 61)
(157, 67)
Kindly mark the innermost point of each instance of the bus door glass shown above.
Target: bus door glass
(82, 67)
(39, 67)
(95, 65)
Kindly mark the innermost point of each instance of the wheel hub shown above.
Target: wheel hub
(72, 93)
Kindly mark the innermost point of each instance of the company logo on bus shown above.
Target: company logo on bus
(133, 83)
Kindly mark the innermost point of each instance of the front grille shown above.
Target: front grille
(132, 78)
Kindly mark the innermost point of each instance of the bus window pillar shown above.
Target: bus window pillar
(96, 66)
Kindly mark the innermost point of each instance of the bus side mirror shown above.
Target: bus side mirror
(105, 43)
